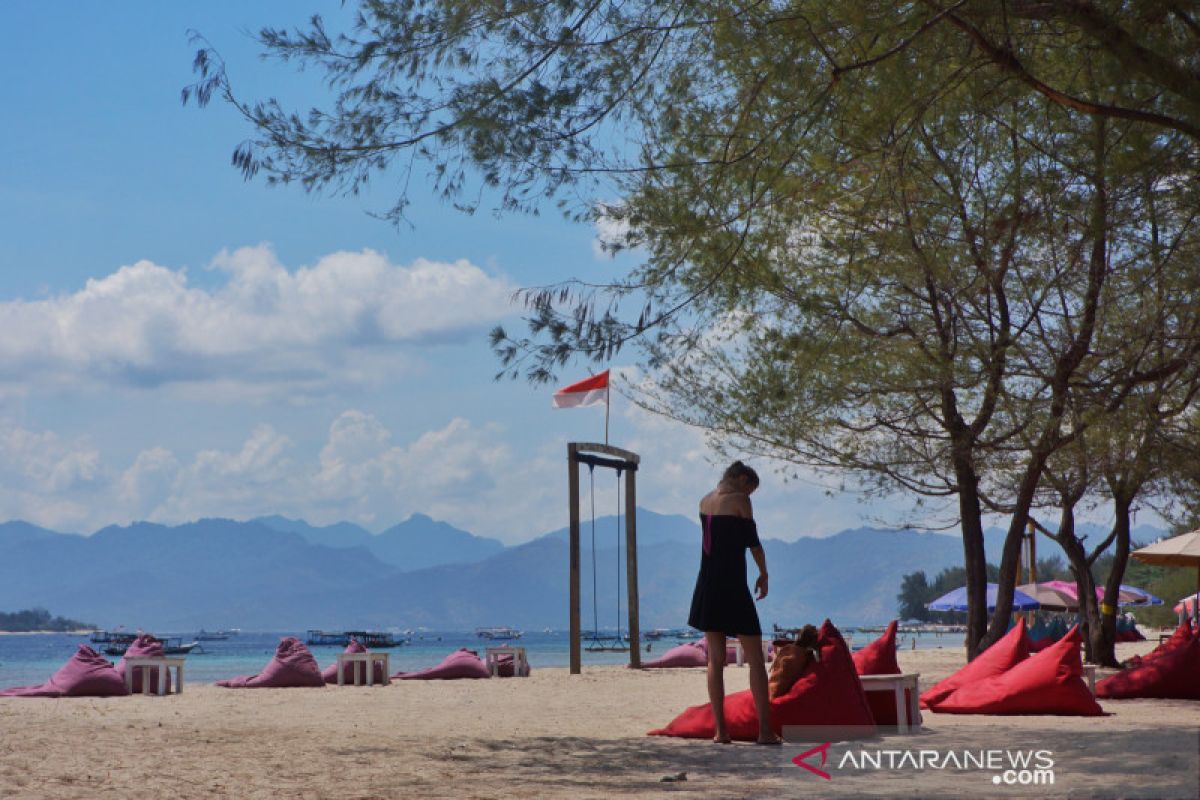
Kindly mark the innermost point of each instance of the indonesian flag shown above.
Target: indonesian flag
(587, 392)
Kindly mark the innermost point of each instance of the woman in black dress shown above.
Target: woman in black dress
(722, 604)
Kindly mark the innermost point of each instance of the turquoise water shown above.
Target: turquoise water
(32, 658)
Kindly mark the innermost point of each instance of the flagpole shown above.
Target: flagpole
(607, 402)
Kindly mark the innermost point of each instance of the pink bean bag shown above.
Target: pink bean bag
(1049, 682)
(1011, 649)
(148, 647)
(827, 693)
(86, 674)
(690, 654)
(330, 673)
(292, 666)
(1174, 674)
(879, 658)
(462, 663)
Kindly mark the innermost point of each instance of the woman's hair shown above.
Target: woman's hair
(739, 470)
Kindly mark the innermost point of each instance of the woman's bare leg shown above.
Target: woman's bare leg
(752, 650)
(715, 640)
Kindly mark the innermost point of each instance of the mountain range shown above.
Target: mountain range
(274, 573)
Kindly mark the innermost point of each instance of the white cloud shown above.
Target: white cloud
(345, 318)
(475, 476)
(611, 232)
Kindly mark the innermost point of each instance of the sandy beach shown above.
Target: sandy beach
(548, 735)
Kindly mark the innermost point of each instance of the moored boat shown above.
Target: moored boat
(171, 645)
(498, 632)
(372, 640)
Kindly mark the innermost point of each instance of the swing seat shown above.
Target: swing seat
(616, 645)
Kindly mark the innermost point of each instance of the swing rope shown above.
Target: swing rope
(596, 642)
(595, 607)
(618, 639)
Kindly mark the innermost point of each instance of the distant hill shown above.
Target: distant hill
(416, 543)
(273, 573)
(652, 528)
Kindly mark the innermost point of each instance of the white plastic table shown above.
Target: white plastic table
(146, 663)
(367, 662)
(520, 664)
(897, 684)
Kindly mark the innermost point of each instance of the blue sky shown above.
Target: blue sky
(180, 343)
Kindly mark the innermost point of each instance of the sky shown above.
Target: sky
(179, 343)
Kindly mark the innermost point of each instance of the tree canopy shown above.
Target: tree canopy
(927, 244)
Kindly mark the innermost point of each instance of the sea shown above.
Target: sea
(27, 659)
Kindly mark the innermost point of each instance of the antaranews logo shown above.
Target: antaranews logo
(823, 749)
(1008, 767)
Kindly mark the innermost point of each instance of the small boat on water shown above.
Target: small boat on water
(172, 646)
(498, 632)
(654, 634)
(113, 638)
(372, 640)
(216, 636)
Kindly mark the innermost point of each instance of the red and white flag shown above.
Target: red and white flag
(587, 392)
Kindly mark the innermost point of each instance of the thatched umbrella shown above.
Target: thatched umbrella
(1178, 551)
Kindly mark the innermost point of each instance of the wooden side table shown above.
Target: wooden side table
(367, 662)
(519, 662)
(897, 684)
(147, 663)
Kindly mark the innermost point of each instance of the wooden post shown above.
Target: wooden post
(573, 488)
(631, 573)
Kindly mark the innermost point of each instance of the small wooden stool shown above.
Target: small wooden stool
(163, 664)
(367, 661)
(897, 684)
(520, 664)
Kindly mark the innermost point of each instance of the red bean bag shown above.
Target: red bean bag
(1182, 635)
(462, 663)
(1010, 649)
(1049, 682)
(827, 694)
(86, 674)
(143, 647)
(689, 654)
(292, 666)
(329, 674)
(1175, 675)
(879, 658)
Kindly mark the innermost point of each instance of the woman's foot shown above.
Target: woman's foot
(722, 738)
(770, 741)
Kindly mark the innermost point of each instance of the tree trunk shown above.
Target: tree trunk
(1007, 580)
(1104, 648)
(1085, 586)
(974, 555)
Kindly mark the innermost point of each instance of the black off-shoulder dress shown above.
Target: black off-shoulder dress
(722, 600)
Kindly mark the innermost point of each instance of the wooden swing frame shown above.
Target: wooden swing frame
(604, 455)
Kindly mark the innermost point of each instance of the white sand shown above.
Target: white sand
(549, 735)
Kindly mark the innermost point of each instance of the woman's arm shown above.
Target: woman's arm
(760, 558)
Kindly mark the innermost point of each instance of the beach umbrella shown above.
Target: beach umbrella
(1050, 598)
(957, 600)
(1147, 599)
(1126, 595)
(1178, 551)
